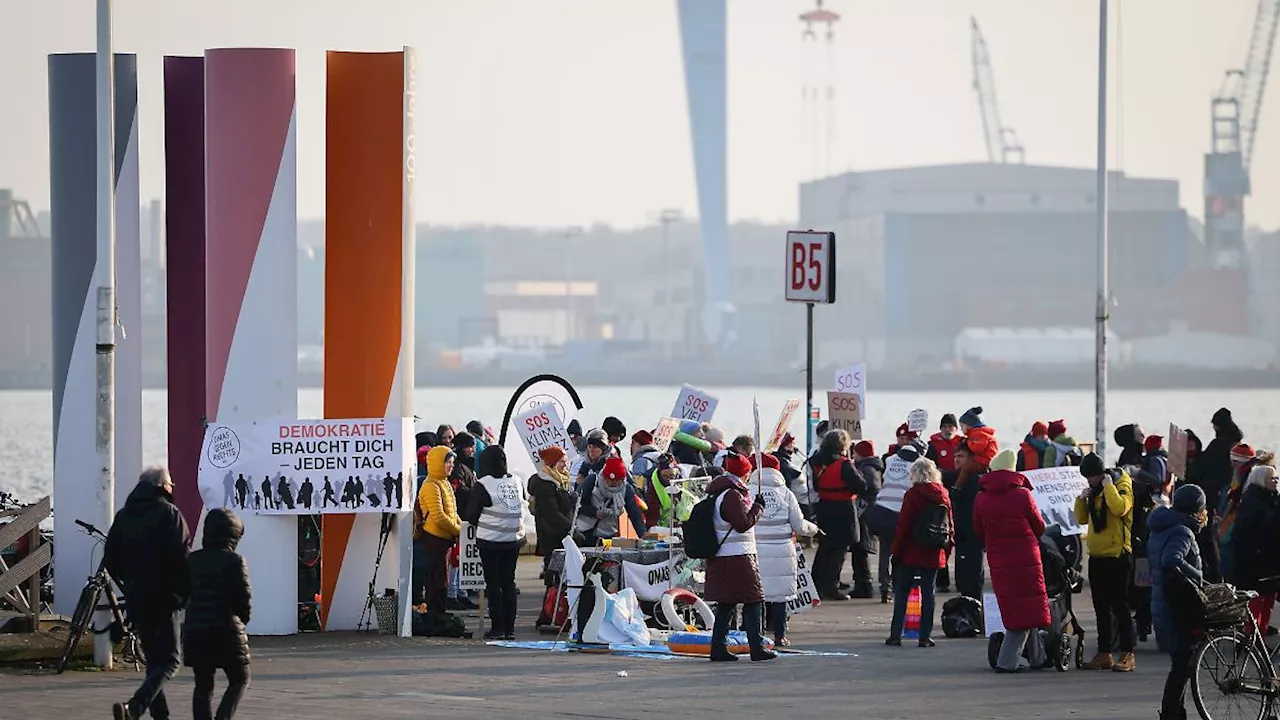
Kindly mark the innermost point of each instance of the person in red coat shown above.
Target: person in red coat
(1007, 520)
(913, 560)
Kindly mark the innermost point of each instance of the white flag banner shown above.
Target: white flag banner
(305, 467)
(647, 581)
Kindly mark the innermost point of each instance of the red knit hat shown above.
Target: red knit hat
(770, 461)
(1039, 429)
(737, 465)
(904, 429)
(614, 469)
(1242, 453)
(1057, 427)
(644, 437)
(1153, 443)
(864, 448)
(551, 455)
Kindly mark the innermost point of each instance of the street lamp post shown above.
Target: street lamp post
(666, 217)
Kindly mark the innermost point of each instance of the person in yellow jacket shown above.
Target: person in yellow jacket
(1107, 506)
(440, 526)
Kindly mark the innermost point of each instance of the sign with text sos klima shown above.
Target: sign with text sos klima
(539, 428)
(811, 267)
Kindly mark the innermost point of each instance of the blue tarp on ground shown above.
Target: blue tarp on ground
(656, 652)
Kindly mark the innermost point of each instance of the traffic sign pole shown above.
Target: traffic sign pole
(808, 379)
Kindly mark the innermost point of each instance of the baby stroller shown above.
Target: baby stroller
(1060, 578)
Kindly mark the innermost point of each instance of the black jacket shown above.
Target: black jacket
(838, 520)
(213, 635)
(552, 512)
(1212, 469)
(463, 479)
(146, 552)
(1255, 538)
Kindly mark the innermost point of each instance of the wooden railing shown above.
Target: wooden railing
(25, 521)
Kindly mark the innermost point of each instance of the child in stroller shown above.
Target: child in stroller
(1060, 578)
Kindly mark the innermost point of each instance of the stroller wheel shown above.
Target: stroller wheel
(1080, 653)
(1062, 655)
(993, 648)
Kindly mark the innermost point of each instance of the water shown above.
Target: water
(26, 418)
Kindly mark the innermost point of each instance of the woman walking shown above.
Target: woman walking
(1007, 520)
(775, 546)
(733, 575)
(1256, 541)
(213, 635)
(925, 533)
(1172, 548)
(498, 507)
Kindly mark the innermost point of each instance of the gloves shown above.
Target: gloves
(760, 500)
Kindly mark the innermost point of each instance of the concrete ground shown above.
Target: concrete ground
(349, 675)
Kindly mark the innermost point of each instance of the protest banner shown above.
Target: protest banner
(844, 412)
(1055, 491)
(662, 434)
(1177, 451)
(853, 379)
(308, 467)
(470, 569)
(694, 404)
(806, 597)
(539, 428)
(897, 480)
(648, 581)
(781, 427)
(918, 420)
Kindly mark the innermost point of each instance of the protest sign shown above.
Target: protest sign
(1055, 491)
(694, 404)
(897, 480)
(470, 569)
(806, 597)
(844, 412)
(918, 421)
(853, 379)
(662, 434)
(305, 467)
(541, 427)
(781, 427)
(648, 582)
(1177, 451)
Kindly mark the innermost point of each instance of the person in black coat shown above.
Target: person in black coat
(1213, 473)
(838, 483)
(146, 553)
(213, 636)
(1256, 541)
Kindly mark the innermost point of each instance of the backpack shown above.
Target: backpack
(700, 538)
(1067, 455)
(419, 516)
(932, 530)
(961, 617)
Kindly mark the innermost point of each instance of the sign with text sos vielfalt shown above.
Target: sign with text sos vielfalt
(694, 404)
(853, 379)
(541, 427)
(811, 267)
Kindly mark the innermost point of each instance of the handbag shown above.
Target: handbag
(1185, 598)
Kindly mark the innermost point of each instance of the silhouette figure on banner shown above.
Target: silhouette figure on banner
(267, 494)
(389, 487)
(357, 494)
(305, 492)
(228, 489)
(257, 500)
(400, 489)
(328, 494)
(285, 492)
(242, 491)
(348, 487)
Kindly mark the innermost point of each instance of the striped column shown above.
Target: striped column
(73, 210)
(368, 321)
(184, 276)
(251, 227)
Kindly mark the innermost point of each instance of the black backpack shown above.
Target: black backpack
(961, 617)
(933, 527)
(700, 538)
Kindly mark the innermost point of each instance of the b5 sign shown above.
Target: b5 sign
(811, 267)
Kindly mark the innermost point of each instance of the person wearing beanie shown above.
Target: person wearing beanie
(1213, 472)
(574, 431)
(1107, 506)
(1129, 438)
(903, 437)
(775, 548)
(736, 464)
(614, 429)
(551, 501)
(943, 444)
(874, 538)
(965, 483)
(462, 479)
(662, 492)
(1257, 541)
(733, 574)
(1009, 524)
(1034, 445)
(605, 496)
(787, 454)
(971, 419)
(644, 456)
(688, 445)
(1172, 548)
(1243, 459)
(598, 451)
(498, 508)
(1063, 450)
(838, 484)
(437, 518)
(1150, 490)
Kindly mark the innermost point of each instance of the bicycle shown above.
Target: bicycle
(99, 584)
(1239, 665)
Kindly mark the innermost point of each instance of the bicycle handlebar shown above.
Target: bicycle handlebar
(89, 528)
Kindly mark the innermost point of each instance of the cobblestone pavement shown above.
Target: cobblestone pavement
(349, 675)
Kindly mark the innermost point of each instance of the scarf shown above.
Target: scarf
(561, 478)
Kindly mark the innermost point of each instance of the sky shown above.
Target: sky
(555, 113)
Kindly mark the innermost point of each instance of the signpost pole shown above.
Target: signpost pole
(808, 377)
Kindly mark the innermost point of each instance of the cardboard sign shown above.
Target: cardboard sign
(897, 480)
(470, 570)
(853, 379)
(662, 434)
(648, 582)
(694, 404)
(1141, 573)
(1055, 491)
(541, 427)
(1177, 451)
(991, 618)
(806, 597)
(784, 423)
(844, 412)
(918, 420)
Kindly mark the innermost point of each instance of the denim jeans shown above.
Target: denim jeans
(160, 644)
(455, 583)
(903, 580)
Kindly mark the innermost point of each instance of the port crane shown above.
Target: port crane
(1003, 145)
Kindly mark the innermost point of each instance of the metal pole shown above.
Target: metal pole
(808, 378)
(1104, 294)
(104, 280)
(667, 305)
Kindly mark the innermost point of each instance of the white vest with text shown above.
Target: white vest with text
(503, 520)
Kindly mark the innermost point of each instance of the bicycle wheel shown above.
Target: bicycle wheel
(1226, 678)
(80, 621)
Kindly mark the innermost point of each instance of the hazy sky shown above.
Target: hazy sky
(561, 112)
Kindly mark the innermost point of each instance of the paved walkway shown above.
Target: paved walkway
(345, 675)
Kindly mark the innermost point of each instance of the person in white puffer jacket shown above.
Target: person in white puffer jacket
(775, 545)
